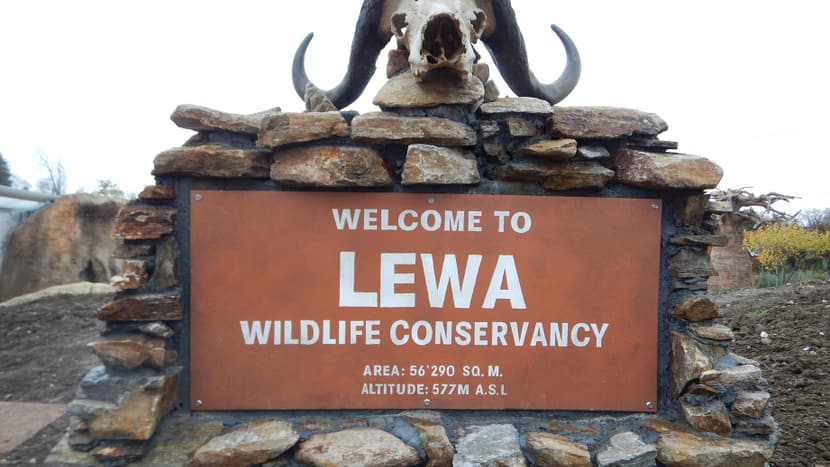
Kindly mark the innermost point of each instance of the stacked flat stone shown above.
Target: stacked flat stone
(120, 404)
(505, 146)
(719, 412)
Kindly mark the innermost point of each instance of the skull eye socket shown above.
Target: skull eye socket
(399, 25)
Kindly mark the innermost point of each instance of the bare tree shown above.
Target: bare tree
(742, 203)
(55, 180)
(815, 219)
(109, 189)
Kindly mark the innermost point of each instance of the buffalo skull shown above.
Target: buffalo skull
(439, 34)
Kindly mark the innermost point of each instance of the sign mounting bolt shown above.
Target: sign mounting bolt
(198, 403)
(198, 197)
(426, 402)
(655, 206)
(650, 404)
(431, 201)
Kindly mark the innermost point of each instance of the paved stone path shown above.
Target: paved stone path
(19, 421)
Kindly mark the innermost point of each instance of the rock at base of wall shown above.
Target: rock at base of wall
(177, 438)
(489, 445)
(436, 444)
(119, 452)
(627, 450)
(135, 407)
(681, 448)
(549, 449)
(249, 444)
(356, 447)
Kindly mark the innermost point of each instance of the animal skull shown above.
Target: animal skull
(439, 34)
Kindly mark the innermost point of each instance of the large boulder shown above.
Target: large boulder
(65, 242)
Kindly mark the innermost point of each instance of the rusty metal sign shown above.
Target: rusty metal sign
(384, 300)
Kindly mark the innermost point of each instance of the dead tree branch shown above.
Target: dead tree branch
(741, 202)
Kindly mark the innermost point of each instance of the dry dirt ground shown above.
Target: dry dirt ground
(795, 357)
(43, 355)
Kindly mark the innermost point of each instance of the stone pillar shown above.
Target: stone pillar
(732, 261)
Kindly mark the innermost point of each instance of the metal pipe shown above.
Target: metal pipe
(26, 195)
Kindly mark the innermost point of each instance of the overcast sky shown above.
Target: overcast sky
(93, 83)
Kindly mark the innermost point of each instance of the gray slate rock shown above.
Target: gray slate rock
(195, 117)
(604, 123)
(289, 128)
(387, 128)
(250, 444)
(213, 161)
(593, 152)
(357, 447)
(496, 445)
(404, 91)
(522, 105)
(627, 450)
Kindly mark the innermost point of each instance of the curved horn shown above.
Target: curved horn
(507, 47)
(366, 46)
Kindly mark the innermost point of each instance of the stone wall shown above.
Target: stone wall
(712, 409)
